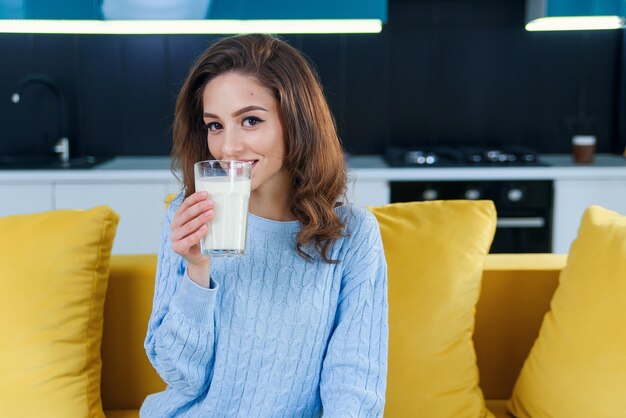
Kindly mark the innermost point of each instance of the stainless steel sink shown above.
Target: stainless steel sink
(47, 163)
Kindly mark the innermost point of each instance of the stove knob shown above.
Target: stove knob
(430, 194)
(472, 194)
(493, 156)
(514, 195)
(475, 158)
(431, 159)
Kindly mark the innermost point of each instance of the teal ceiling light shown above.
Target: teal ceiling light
(191, 16)
(551, 15)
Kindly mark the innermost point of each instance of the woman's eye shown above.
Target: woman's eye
(212, 126)
(251, 121)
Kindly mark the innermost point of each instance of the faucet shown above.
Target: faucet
(62, 146)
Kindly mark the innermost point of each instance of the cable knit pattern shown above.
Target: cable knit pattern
(274, 335)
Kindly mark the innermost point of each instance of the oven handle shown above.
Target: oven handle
(533, 222)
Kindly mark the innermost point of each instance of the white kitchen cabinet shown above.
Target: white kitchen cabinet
(573, 196)
(367, 192)
(136, 187)
(140, 206)
(25, 198)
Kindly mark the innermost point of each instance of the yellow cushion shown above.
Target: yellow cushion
(577, 366)
(54, 268)
(435, 253)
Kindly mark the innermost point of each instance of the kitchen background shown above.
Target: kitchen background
(442, 72)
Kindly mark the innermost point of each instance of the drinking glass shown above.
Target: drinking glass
(228, 185)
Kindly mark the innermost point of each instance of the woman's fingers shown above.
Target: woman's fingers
(191, 208)
(190, 201)
(180, 232)
(189, 224)
(183, 246)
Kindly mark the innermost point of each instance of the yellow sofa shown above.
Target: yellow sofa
(516, 293)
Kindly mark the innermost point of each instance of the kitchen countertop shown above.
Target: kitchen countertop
(125, 169)
(560, 166)
(364, 167)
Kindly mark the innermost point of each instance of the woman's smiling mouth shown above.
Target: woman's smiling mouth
(252, 161)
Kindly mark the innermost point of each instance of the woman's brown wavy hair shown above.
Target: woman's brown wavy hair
(313, 152)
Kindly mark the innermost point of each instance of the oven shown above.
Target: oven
(524, 206)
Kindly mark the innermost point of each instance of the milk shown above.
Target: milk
(227, 229)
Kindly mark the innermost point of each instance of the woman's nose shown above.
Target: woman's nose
(233, 144)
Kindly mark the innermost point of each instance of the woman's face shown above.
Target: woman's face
(243, 121)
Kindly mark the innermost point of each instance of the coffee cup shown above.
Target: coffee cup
(583, 148)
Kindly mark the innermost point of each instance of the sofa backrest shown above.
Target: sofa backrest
(515, 295)
(127, 375)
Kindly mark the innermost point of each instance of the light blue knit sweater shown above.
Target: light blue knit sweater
(274, 335)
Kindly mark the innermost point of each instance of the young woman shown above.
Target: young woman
(296, 327)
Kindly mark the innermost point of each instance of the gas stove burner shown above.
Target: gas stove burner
(421, 158)
(501, 156)
(461, 156)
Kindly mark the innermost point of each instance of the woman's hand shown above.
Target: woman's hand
(186, 231)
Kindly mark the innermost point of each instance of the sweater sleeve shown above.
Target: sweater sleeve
(354, 371)
(181, 330)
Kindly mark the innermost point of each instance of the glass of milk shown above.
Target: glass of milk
(228, 185)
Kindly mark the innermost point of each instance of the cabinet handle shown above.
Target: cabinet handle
(535, 222)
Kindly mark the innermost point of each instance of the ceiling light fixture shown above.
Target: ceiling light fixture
(575, 23)
(559, 15)
(208, 26)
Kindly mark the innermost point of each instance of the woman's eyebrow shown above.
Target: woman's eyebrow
(247, 109)
(238, 112)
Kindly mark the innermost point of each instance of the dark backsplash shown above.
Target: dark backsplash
(441, 73)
